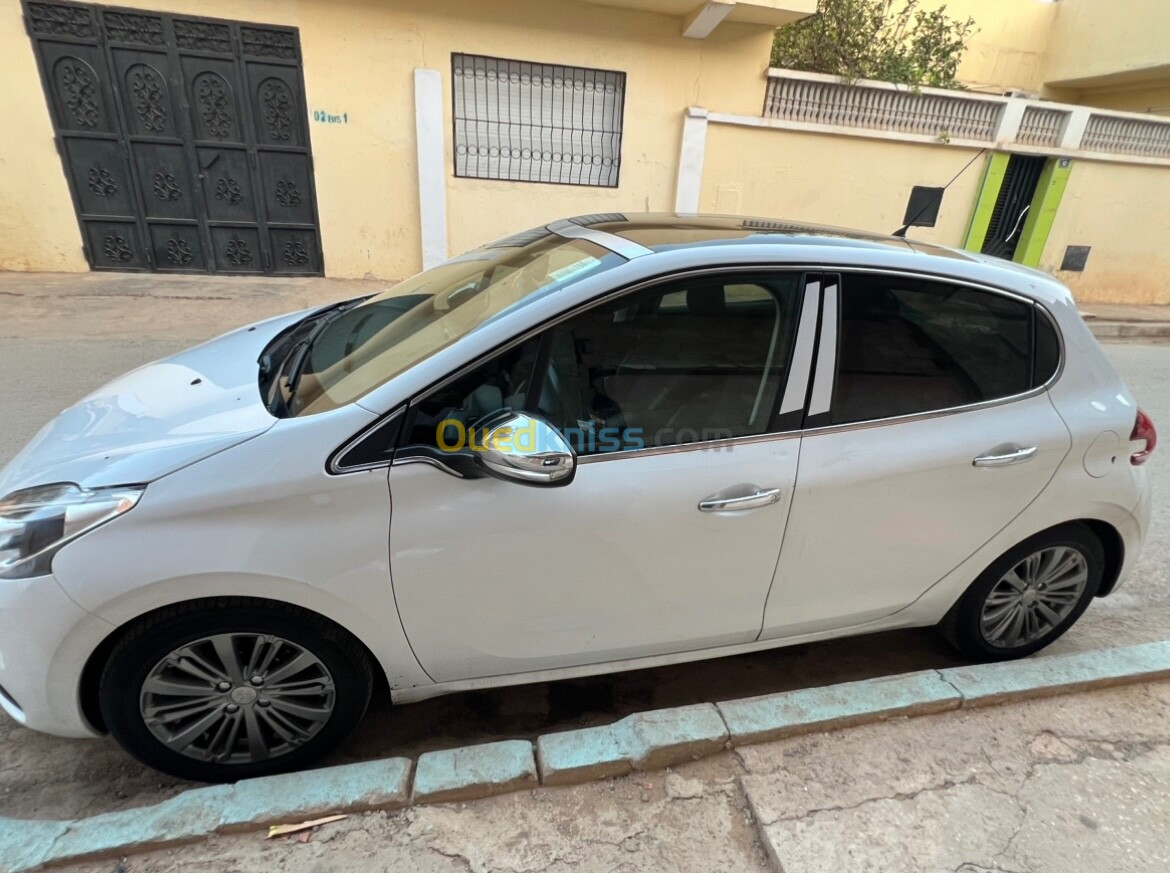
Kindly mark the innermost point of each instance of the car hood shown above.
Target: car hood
(156, 419)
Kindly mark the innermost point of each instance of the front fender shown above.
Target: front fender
(385, 640)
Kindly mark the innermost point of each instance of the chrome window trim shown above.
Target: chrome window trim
(697, 446)
(332, 466)
(423, 459)
(802, 354)
(619, 245)
(1040, 308)
(821, 399)
(920, 416)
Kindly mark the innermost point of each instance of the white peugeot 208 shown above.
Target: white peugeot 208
(608, 443)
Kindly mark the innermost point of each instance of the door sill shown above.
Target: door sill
(416, 693)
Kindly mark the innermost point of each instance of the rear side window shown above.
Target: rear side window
(908, 346)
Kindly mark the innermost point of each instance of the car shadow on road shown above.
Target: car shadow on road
(530, 710)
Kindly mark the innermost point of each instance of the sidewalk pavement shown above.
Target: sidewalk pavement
(193, 307)
(186, 309)
(1075, 783)
(1118, 321)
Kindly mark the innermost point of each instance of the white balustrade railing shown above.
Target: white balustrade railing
(1126, 135)
(813, 100)
(879, 107)
(1042, 126)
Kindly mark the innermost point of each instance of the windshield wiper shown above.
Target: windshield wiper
(294, 362)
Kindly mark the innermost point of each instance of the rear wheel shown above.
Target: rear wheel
(231, 688)
(1029, 597)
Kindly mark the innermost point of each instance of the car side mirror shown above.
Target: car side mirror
(524, 448)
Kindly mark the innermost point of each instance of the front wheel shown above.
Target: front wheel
(227, 689)
(1029, 597)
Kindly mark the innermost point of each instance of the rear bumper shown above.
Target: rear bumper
(1133, 530)
(45, 639)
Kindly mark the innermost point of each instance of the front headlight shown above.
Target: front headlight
(36, 522)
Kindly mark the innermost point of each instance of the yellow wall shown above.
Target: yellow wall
(1119, 210)
(1094, 38)
(38, 229)
(359, 57)
(1151, 99)
(837, 180)
(1108, 53)
(1008, 49)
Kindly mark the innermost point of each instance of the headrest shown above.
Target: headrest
(707, 300)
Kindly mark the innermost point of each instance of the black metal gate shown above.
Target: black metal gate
(184, 139)
(1012, 205)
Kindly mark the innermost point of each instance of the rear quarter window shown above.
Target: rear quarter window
(1047, 349)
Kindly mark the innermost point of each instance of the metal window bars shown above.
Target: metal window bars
(529, 122)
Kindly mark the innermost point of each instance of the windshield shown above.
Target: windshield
(354, 350)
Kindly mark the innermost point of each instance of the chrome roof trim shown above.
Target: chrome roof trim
(616, 244)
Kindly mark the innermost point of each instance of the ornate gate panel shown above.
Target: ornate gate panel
(184, 139)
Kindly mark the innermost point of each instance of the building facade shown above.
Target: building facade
(357, 138)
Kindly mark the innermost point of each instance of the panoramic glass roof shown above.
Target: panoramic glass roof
(661, 231)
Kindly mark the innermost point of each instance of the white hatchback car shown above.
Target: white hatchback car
(604, 444)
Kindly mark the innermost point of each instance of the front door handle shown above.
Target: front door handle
(1005, 456)
(761, 497)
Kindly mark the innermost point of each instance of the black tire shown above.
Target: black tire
(963, 624)
(149, 642)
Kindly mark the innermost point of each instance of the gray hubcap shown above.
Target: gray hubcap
(237, 698)
(1034, 596)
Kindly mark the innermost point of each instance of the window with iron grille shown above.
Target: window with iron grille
(526, 122)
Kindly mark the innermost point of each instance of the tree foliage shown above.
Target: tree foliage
(890, 40)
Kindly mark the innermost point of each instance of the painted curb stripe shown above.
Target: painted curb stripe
(989, 684)
(642, 741)
(774, 716)
(474, 771)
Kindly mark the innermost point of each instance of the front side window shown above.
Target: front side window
(685, 362)
(908, 346)
(356, 349)
(695, 361)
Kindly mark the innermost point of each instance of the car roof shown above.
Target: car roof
(661, 231)
(664, 232)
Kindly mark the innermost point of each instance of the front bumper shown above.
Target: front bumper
(45, 640)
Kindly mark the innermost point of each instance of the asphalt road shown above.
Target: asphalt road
(48, 364)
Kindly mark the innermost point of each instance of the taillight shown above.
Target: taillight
(1143, 429)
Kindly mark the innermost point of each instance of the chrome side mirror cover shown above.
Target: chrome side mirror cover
(517, 447)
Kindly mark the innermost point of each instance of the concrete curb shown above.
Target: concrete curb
(644, 741)
(474, 771)
(247, 805)
(991, 684)
(774, 716)
(1140, 330)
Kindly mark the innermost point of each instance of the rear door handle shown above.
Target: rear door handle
(1005, 456)
(761, 497)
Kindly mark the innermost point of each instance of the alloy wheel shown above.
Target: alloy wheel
(236, 698)
(1034, 596)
